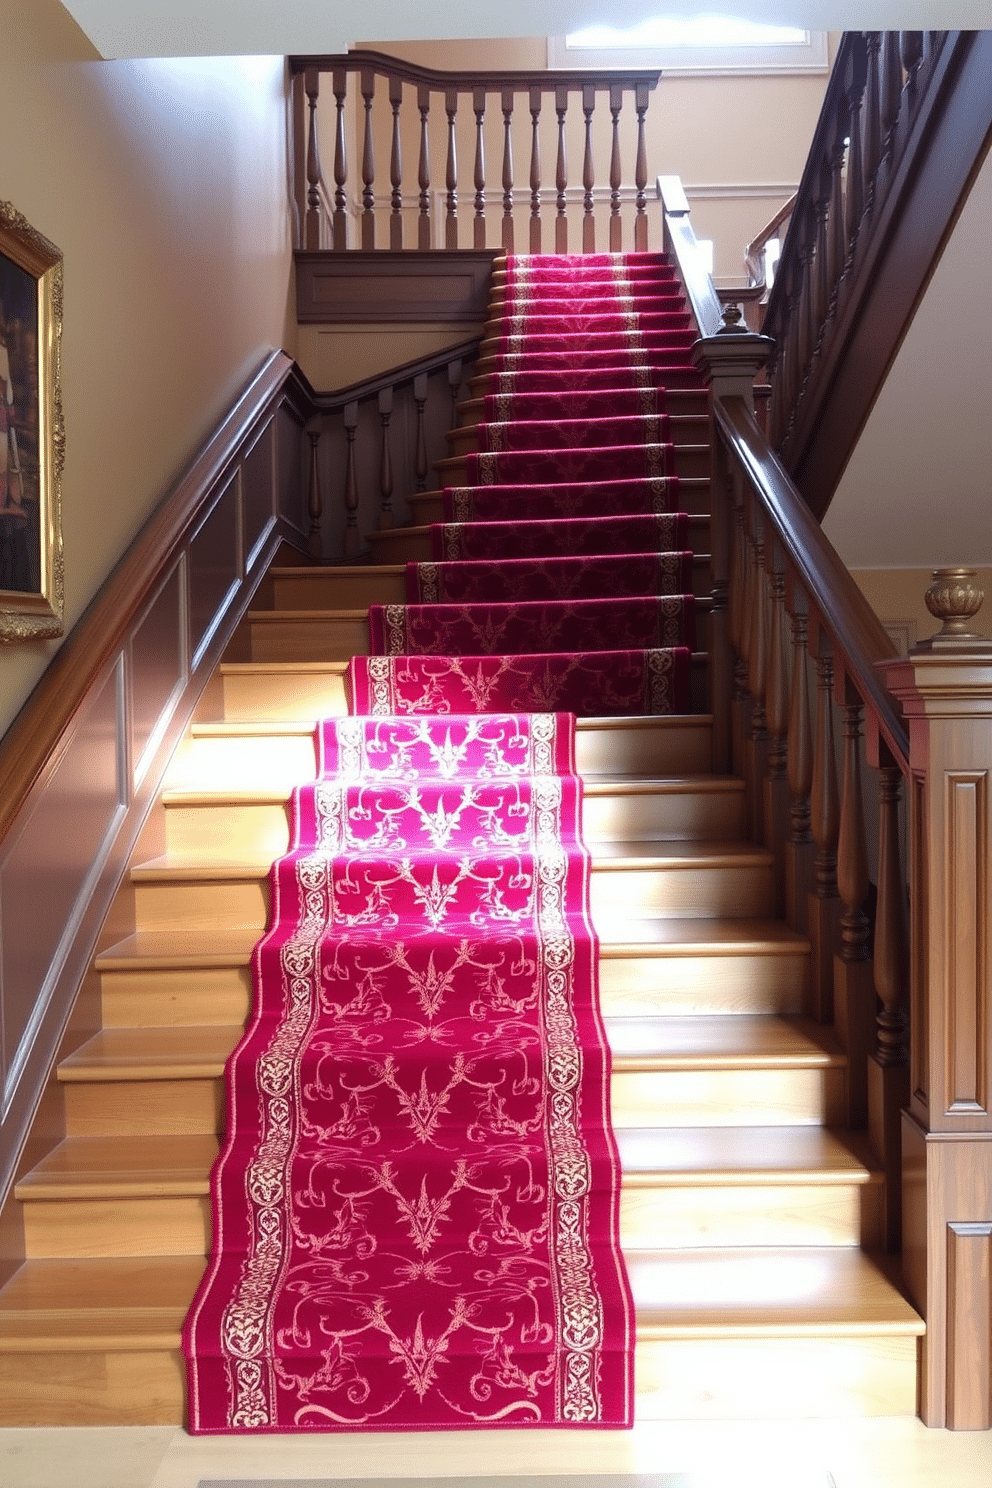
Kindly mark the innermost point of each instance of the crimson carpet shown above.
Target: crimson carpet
(416, 1206)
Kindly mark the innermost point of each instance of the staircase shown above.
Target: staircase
(749, 1245)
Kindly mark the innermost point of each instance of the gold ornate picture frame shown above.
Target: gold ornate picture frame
(32, 434)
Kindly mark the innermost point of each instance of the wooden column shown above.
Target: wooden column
(799, 765)
(823, 904)
(729, 361)
(854, 986)
(946, 690)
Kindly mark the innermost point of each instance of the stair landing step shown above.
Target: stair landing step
(828, 1291)
(115, 1303)
(123, 1167)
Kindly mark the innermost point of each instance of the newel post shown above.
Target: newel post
(945, 686)
(729, 362)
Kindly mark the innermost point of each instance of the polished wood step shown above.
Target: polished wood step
(239, 822)
(667, 1072)
(683, 431)
(131, 1196)
(676, 401)
(730, 1334)
(693, 498)
(647, 967)
(706, 1071)
(329, 588)
(295, 690)
(720, 1334)
(279, 750)
(681, 878)
(689, 461)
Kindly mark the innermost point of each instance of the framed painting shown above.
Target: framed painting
(32, 435)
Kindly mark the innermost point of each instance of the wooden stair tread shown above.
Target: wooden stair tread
(616, 853)
(718, 1041)
(643, 937)
(721, 1041)
(112, 1303)
(122, 1167)
(700, 1156)
(596, 786)
(324, 573)
(159, 1053)
(277, 727)
(789, 1292)
(163, 949)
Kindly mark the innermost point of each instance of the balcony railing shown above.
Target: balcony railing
(369, 115)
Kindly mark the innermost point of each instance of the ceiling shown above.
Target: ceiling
(191, 28)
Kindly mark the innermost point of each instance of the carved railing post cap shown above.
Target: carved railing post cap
(954, 597)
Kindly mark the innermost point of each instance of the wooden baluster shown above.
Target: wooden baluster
(588, 173)
(721, 645)
(872, 143)
(757, 677)
(424, 172)
(351, 534)
(855, 179)
(616, 169)
(386, 518)
(340, 230)
(854, 993)
(535, 171)
(911, 45)
(888, 1071)
(824, 906)
(821, 287)
(368, 165)
(420, 460)
(561, 173)
(507, 234)
(837, 234)
(807, 309)
(311, 81)
(740, 711)
(396, 168)
(799, 768)
(641, 96)
(479, 225)
(454, 387)
(451, 172)
(315, 500)
(891, 91)
(776, 785)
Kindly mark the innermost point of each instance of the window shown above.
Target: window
(700, 44)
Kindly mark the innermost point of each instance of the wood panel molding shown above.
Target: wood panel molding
(81, 764)
(406, 287)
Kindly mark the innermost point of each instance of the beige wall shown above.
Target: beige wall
(164, 185)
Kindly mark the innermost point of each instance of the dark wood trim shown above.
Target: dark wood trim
(330, 402)
(491, 82)
(407, 286)
(858, 634)
(935, 165)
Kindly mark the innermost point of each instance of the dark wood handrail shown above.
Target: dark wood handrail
(754, 257)
(49, 710)
(680, 242)
(855, 629)
(492, 82)
(369, 387)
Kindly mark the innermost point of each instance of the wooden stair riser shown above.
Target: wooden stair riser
(651, 1217)
(331, 588)
(249, 692)
(93, 1387)
(146, 1108)
(717, 1097)
(648, 984)
(677, 402)
(175, 997)
(781, 1378)
(225, 831)
(241, 900)
(738, 1215)
(694, 497)
(618, 749)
